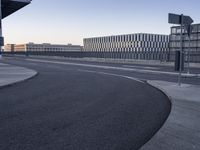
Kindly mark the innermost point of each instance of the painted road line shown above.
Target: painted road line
(111, 74)
(142, 67)
(114, 68)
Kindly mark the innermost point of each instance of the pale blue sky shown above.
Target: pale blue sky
(69, 21)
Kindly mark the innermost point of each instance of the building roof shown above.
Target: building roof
(178, 26)
(11, 6)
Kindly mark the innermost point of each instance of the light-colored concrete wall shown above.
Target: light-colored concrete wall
(128, 43)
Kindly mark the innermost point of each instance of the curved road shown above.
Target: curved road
(69, 107)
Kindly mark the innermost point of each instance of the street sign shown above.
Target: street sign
(187, 20)
(183, 21)
(174, 19)
(180, 19)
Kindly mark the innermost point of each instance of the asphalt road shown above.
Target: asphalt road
(74, 107)
(139, 75)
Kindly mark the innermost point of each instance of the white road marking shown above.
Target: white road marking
(142, 67)
(111, 67)
(111, 74)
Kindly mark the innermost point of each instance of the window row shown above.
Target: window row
(185, 37)
(52, 49)
(129, 50)
(177, 30)
(132, 37)
(126, 45)
(185, 44)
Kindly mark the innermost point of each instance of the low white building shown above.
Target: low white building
(45, 47)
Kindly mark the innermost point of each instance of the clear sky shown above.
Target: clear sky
(69, 21)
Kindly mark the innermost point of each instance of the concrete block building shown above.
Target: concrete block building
(130, 46)
(190, 46)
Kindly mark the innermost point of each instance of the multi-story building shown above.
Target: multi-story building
(136, 46)
(191, 46)
(20, 48)
(9, 48)
(46, 47)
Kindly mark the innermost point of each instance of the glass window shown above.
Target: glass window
(126, 38)
(198, 36)
(194, 37)
(194, 28)
(148, 37)
(178, 44)
(136, 37)
(130, 38)
(154, 37)
(118, 38)
(186, 37)
(184, 30)
(173, 30)
(186, 44)
(141, 37)
(193, 44)
(199, 28)
(178, 31)
(178, 38)
(198, 44)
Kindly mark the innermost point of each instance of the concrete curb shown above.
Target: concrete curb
(181, 129)
(171, 105)
(149, 82)
(33, 74)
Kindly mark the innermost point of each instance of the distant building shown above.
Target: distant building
(9, 48)
(20, 48)
(45, 47)
(136, 46)
(193, 47)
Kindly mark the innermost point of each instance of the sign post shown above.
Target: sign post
(189, 30)
(183, 21)
(188, 69)
(1, 43)
(181, 52)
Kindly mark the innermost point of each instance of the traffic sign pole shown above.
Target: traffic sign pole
(188, 58)
(181, 52)
(0, 29)
(183, 21)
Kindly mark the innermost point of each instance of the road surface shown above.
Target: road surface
(79, 106)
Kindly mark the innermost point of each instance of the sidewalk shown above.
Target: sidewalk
(122, 61)
(110, 60)
(182, 129)
(10, 74)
